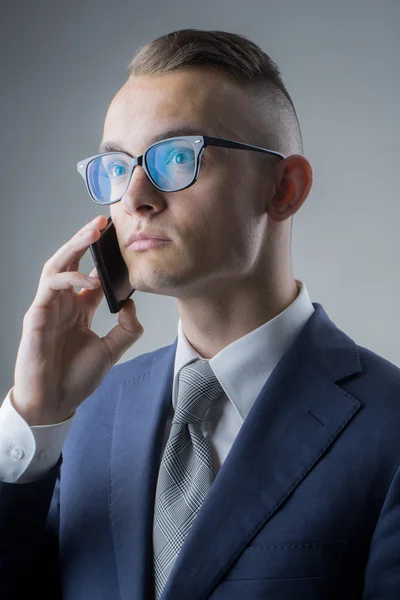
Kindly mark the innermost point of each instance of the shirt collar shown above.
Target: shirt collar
(243, 367)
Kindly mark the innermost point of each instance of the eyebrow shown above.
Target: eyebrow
(176, 132)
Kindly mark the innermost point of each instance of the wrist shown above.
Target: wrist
(36, 417)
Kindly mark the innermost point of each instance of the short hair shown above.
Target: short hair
(238, 58)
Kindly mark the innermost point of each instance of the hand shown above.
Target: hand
(60, 360)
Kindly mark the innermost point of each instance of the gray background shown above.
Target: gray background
(62, 63)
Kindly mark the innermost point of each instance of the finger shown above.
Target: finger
(51, 286)
(95, 296)
(125, 334)
(92, 296)
(73, 250)
(93, 273)
(99, 220)
(74, 265)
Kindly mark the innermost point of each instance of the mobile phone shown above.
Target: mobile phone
(111, 268)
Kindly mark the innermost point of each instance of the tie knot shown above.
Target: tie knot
(198, 389)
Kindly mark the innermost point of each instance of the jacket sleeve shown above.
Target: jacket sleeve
(382, 573)
(29, 531)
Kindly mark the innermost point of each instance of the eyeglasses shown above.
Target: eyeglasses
(171, 165)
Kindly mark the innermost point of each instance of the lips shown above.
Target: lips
(147, 244)
(135, 237)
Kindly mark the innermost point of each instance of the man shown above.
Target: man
(255, 457)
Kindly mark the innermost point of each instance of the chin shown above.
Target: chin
(162, 283)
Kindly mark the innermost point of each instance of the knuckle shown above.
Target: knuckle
(47, 265)
(81, 233)
(27, 316)
(46, 279)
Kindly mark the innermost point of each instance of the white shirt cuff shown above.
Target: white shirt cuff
(28, 453)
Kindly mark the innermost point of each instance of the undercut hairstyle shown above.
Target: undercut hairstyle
(240, 59)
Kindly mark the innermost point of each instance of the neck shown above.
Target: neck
(217, 319)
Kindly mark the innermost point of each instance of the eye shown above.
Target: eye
(115, 170)
(179, 157)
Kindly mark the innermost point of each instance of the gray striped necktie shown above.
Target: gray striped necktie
(185, 474)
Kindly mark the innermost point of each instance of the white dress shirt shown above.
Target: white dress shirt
(28, 452)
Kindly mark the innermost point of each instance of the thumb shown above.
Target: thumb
(125, 334)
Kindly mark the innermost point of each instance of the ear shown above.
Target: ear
(293, 181)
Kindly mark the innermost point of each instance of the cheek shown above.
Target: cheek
(237, 220)
(217, 224)
(216, 212)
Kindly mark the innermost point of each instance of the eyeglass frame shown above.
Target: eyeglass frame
(199, 142)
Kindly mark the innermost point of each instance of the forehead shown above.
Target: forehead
(201, 98)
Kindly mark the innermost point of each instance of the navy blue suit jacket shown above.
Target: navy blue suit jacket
(306, 504)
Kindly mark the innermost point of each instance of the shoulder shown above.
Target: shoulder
(378, 373)
(377, 387)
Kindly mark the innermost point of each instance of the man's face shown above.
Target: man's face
(216, 226)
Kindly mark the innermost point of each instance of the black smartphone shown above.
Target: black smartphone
(111, 268)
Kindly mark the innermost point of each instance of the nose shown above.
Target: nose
(141, 195)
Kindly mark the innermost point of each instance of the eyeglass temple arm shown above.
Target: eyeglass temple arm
(213, 141)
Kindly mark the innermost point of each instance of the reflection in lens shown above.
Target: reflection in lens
(172, 164)
(108, 177)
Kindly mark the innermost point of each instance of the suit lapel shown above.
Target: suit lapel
(141, 414)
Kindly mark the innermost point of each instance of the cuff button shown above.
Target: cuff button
(17, 453)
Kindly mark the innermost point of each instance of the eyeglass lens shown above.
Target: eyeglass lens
(171, 164)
